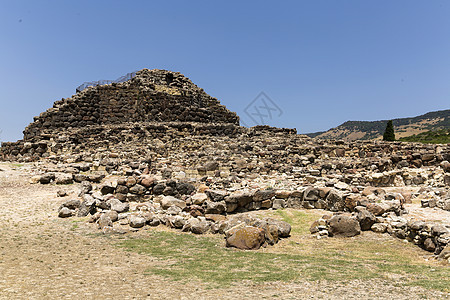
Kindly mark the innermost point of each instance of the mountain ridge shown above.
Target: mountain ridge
(373, 130)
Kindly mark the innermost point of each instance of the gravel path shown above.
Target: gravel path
(44, 257)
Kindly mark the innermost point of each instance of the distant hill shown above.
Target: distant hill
(373, 130)
(441, 136)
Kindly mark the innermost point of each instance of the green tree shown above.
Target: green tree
(389, 134)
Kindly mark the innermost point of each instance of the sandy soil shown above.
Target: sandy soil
(44, 257)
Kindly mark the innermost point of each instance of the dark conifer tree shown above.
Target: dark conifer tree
(389, 134)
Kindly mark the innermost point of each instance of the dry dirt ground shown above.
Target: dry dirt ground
(44, 257)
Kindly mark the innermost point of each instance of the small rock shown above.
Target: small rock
(65, 212)
(47, 178)
(61, 193)
(379, 227)
(168, 201)
(136, 221)
(118, 206)
(429, 245)
(64, 179)
(72, 204)
(104, 221)
(197, 226)
(366, 218)
(199, 198)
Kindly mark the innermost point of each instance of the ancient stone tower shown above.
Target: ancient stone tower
(150, 96)
(153, 104)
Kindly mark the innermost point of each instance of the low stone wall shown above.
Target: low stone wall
(431, 237)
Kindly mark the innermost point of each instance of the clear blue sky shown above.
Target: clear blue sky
(322, 62)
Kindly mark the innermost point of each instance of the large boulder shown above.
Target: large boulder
(345, 226)
(311, 194)
(263, 195)
(246, 238)
(239, 199)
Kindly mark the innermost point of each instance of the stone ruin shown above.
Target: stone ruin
(157, 149)
(152, 97)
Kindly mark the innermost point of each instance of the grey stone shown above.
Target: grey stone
(215, 207)
(136, 221)
(104, 221)
(366, 218)
(118, 206)
(65, 212)
(168, 201)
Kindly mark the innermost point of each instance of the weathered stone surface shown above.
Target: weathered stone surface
(46, 178)
(247, 238)
(215, 207)
(344, 226)
(136, 221)
(379, 227)
(262, 195)
(118, 206)
(168, 201)
(104, 221)
(138, 189)
(199, 198)
(148, 181)
(216, 195)
(184, 188)
(365, 218)
(335, 201)
(65, 212)
(72, 204)
(197, 226)
(429, 244)
(107, 189)
(284, 228)
(64, 178)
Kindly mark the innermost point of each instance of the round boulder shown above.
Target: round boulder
(344, 226)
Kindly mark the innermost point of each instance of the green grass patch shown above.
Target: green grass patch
(299, 220)
(16, 165)
(184, 257)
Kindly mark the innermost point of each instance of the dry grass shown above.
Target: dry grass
(301, 257)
